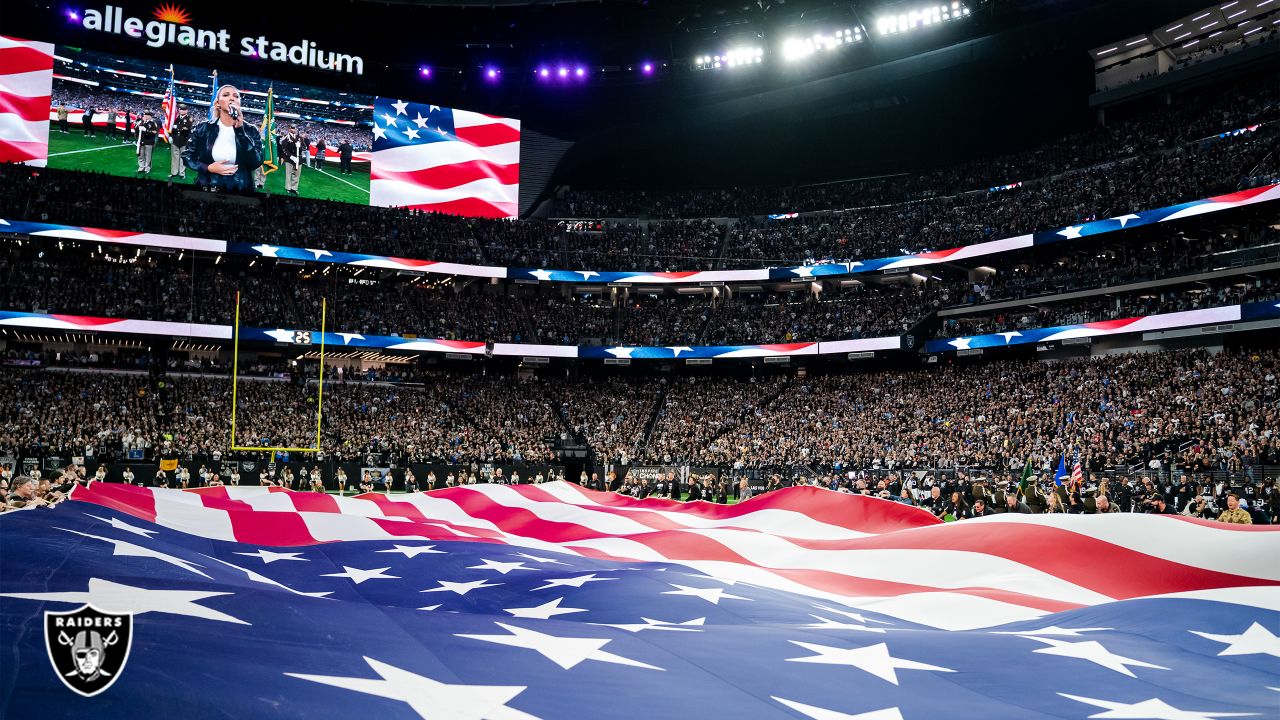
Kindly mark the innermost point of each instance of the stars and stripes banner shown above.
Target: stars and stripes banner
(551, 601)
(412, 343)
(26, 83)
(439, 159)
(1164, 321)
(168, 109)
(968, 253)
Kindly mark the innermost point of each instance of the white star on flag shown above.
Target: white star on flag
(258, 577)
(677, 350)
(1009, 335)
(266, 250)
(280, 335)
(649, 624)
(430, 698)
(319, 253)
(1257, 640)
(545, 611)
(502, 567)
(535, 558)
(267, 557)
(429, 607)
(711, 595)
(400, 107)
(543, 275)
(818, 713)
(803, 271)
(116, 598)
(620, 352)
(346, 340)
(358, 576)
(420, 121)
(849, 266)
(1094, 652)
(1124, 219)
(432, 108)
(563, 651)
(378, 132)
(1071, 233)
(1153, 709)
(960, 343)
(412, 551)
(461, 588)
(874, 659)
(128, 549)
(588, 274)
(411, 134)
(389, 119)
(577, 582)
(122, 525)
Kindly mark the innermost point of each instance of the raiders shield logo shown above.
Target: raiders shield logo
(88, 647)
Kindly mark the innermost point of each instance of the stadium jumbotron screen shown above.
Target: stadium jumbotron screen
(138, 118)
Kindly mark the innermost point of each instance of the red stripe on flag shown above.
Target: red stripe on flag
(16, 60)
(450, 176)
(22, 151)
(488, 135)
(469, 207)
(137, 502)
(34, 109)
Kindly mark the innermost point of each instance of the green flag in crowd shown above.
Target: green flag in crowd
(1026, 477)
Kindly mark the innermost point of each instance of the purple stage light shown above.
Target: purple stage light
(544, 73)
(491, 73)
(647, 68)
(424, 71)
(580, 72)
(563, 72)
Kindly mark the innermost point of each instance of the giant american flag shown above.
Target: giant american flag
(26, 83)
(439, 159)
(552, 601)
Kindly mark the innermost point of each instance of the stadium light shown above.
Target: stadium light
(797, 48)
(73, 16)
(732, 58)
(647, 68)
(425, 71)
(921, 17)
(492, 73)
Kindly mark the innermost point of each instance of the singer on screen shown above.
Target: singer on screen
(225, 151)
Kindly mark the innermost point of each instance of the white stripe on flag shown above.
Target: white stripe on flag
(467, 119)
(14, 129)
(37, 83)
(396, 193)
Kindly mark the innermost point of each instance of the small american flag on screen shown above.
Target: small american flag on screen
(26, 83)
(168, 110)
(437, 159)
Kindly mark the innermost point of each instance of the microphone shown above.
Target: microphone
(231, 109)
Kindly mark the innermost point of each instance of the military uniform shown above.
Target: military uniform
(1240, 516)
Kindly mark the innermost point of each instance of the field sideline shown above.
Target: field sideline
(74, 151)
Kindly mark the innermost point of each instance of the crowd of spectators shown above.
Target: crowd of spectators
(1118, 410)
(1167, 414)
(76, 97)
(1194, 115)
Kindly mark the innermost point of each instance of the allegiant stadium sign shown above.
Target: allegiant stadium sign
(170, 26)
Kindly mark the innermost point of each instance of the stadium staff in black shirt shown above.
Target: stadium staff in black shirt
(225, 151)
(148, 130)
(179, 137)
(344, 156)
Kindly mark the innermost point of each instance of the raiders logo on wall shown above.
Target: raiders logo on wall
(88, 647)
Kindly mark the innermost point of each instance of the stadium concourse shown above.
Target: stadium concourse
(870, 361)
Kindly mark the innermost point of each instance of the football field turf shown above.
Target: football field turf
(73, 151)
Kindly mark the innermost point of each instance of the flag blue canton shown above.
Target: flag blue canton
(417, 628)
(397, 123)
